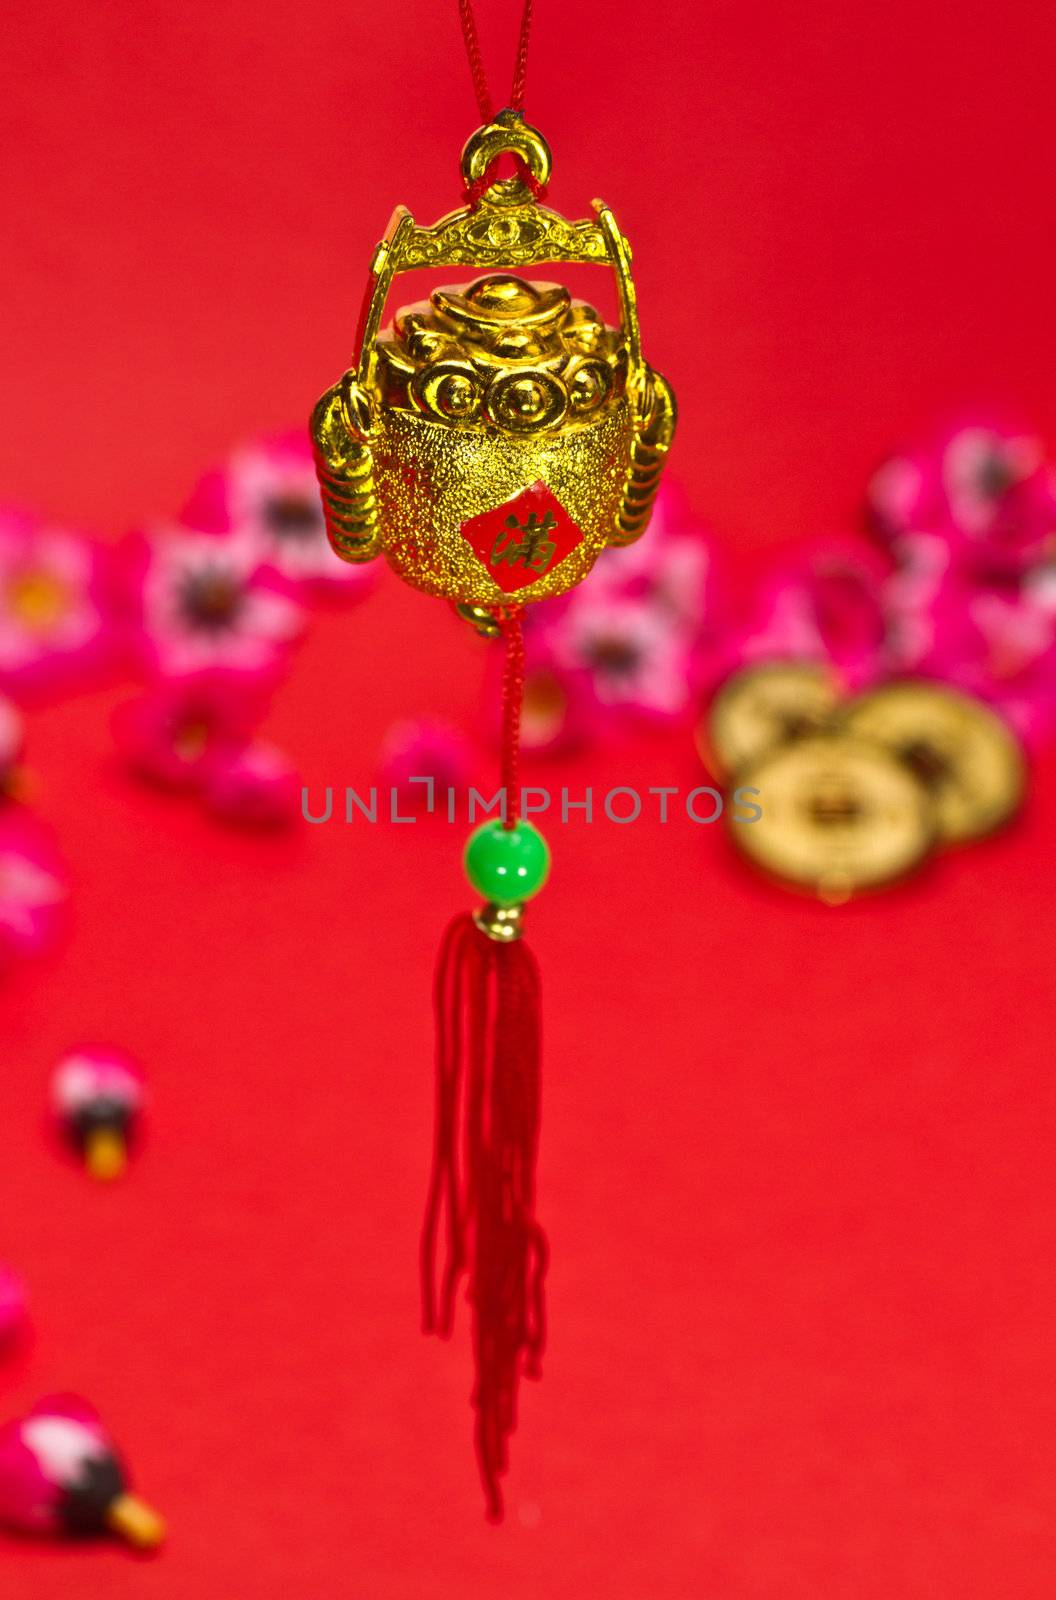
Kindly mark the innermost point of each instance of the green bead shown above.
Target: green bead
(507, 865)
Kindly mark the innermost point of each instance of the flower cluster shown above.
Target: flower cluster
(959, 585)
(57, 631)
(32, 879)
(211, 607)
(203, 613)
(971, 528)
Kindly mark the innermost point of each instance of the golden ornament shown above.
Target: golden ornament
(497, 437)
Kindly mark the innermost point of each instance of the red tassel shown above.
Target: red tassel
(487, 1129)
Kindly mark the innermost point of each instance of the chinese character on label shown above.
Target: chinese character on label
(524, 538)
(533, 550)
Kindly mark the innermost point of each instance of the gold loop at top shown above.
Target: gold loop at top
(509, 134)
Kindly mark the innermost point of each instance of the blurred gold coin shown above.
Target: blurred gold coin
(961, 751)
(764, 706)
(839, 814)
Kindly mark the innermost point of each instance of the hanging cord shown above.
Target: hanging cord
(480, 1223)
(520, 69)
(476, 60)
(512, 703)
(487, 1005)
(483, 95)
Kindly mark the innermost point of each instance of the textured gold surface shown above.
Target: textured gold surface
(964, 755)
(442, 419)
(431, 478)
(763, 706)
(839, 814)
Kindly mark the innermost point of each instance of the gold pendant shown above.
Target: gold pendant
(497, 437)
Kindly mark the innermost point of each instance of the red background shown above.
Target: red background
(797, 1162)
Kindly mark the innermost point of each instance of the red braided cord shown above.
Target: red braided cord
(512, 701)
(520, 71)
(488, 176)
(476, 60)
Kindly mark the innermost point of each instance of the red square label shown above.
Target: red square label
(524, 538)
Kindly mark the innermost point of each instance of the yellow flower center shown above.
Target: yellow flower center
(37, 599)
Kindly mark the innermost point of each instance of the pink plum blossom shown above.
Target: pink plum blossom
(32, 887)
(197, 735)
(269, 492)
(1002, 493)
(12, 1305)
(204, 602)
(987, 492)
(60, 1474)
(44, 1454)
(903, 497)
(254, 785)
(176, 730)
(55, 605)
(12, 742)
(672, 565)
(425, 748)
(828, 604)
(92, 1072)
(97, 1094)
(629, 652)
(998, 644)
(972, 528)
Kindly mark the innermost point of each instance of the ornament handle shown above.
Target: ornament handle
(619, 252)
(506, 214)
(383, 268)
(508, 134)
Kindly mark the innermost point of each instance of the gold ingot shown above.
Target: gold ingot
(966, 757)
(763, 706)
(497, 437)
(839, 814)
